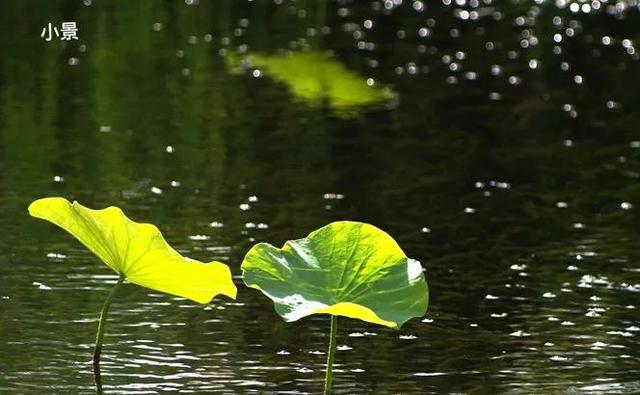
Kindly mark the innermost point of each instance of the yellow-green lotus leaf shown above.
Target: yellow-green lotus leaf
(346, 268)
(136, 250)
(317, 76)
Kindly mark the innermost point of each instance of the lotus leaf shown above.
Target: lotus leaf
(137, 250)
(346, 268)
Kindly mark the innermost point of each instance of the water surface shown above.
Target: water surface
(496, 141)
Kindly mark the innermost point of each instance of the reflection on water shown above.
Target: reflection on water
(508, 165)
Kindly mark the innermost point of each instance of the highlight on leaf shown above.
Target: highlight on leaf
(137, 252)
(346, 268)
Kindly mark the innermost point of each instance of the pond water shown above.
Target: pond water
(498, 142)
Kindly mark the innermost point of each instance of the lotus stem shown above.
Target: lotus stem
(103, 321)
(97, 378)
(331, 355)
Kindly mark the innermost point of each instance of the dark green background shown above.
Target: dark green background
(406, 165)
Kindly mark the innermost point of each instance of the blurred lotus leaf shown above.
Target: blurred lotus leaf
(315, 77)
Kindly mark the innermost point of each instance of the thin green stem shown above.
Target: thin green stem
(97, 379)
(331, 355)
(103, 321)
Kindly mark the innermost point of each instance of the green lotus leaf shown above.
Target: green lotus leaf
(346, 268)
(137, 251)
(314, 77)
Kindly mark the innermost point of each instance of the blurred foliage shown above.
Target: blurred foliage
(315, 77)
